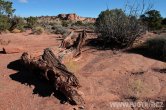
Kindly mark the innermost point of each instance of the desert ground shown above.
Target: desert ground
(105, 76)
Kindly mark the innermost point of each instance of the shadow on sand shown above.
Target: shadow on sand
(2, 52)
(41, 86)
(146, 53)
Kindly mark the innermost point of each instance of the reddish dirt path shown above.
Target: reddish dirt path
(104, 77)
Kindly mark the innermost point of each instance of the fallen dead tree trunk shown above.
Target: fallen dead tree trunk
(50, 68)
(76, 43)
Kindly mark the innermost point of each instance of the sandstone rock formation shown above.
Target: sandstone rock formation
(75, 17)
(72, 17)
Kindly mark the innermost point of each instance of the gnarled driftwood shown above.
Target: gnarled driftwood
(50, 68)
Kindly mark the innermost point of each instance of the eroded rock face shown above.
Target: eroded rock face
(68, 16)
(75, 17)
(71, 17)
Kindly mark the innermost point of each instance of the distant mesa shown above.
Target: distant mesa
(72, 17)
(75, 17)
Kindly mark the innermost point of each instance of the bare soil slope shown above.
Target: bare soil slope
(105, 77)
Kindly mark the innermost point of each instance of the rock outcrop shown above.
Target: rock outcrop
(75, 17)
(71, 17)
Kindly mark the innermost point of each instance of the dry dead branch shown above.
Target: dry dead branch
(50, 68)
(77, 43)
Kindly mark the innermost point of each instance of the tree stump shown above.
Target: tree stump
(49, 67)
(76, 43)
(68, 41)
(79, 43)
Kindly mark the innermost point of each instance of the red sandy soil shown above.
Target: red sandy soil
(105, 77)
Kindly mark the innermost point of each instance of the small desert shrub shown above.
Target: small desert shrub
(89, 25)
(38, 30)
(117, 29)
(66, 23)
(82, 25)
(31, 22)
(59, 29)
(157, 46)
(78, 23)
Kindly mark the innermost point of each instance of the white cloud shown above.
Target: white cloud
(23, 1)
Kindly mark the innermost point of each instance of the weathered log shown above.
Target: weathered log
(79, 42)
(50, 68)
(68, 41)
(76, 43)
(87, 31)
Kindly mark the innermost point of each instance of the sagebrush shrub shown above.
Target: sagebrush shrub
(38, 30)
(66, 23)
(59, 29)
(31, 22)
(89, 25)
(117, 29)
(79, 23)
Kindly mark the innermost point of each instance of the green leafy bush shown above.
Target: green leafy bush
(117, 29)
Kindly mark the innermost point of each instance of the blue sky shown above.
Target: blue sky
(86, 8)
